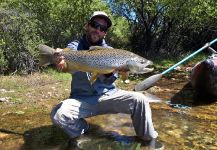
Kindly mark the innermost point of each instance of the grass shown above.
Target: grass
(37, 86)
(166, 63)
(57, 75)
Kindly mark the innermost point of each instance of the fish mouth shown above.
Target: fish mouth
(147, 67)
(147, 70)
(140, 68)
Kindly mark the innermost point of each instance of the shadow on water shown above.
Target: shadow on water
(10, 132)
(188, 97)
(44, 138)
(53, 138)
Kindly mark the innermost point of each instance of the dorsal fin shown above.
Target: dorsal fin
(96, 48)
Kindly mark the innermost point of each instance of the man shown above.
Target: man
(101, 97)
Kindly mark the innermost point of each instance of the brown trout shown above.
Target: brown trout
(97, 60)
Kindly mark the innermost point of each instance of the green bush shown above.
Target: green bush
(18, 42)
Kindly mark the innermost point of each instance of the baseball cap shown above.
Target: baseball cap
(103, 15)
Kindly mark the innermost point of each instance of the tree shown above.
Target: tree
(18, 40)
(167, 26)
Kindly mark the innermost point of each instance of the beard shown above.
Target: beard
(94, 38)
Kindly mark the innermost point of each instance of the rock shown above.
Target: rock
(3, 90)
(4, 99)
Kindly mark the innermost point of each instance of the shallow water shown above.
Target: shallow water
(181, 124)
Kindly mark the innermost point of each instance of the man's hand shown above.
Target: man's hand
(60, 60)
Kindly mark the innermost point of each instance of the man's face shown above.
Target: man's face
(96, 30)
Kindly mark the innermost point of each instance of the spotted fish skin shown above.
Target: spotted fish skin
(98, 60)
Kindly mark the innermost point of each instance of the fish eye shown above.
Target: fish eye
(142, 62)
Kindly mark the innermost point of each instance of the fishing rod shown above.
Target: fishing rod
(150, 81)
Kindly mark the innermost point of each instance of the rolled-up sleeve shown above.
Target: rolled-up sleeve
(73, 45)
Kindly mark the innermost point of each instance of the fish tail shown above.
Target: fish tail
(45, 55)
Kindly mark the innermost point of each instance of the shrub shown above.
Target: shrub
(18, 42)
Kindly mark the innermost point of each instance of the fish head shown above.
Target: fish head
(139, 65)
(141, 60)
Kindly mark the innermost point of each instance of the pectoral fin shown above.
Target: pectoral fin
(66, 49)
(124, 76)
(96, 48)
(93, 77)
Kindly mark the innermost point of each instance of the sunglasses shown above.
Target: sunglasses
(96, 25)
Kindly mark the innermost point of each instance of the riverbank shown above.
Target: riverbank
(26, 102)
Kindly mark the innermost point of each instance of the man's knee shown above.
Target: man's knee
(55, 115)
(145, 98)
(138, 97)
(61, 116)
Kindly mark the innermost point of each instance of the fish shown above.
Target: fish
(203, 77)
(97, 60)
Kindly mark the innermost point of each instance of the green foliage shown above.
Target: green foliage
(18, 42)
(154, 29)
(58, 21)
(58, 75)
(3, 61)
(192, 24)
(118, 36)
(167, 26)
